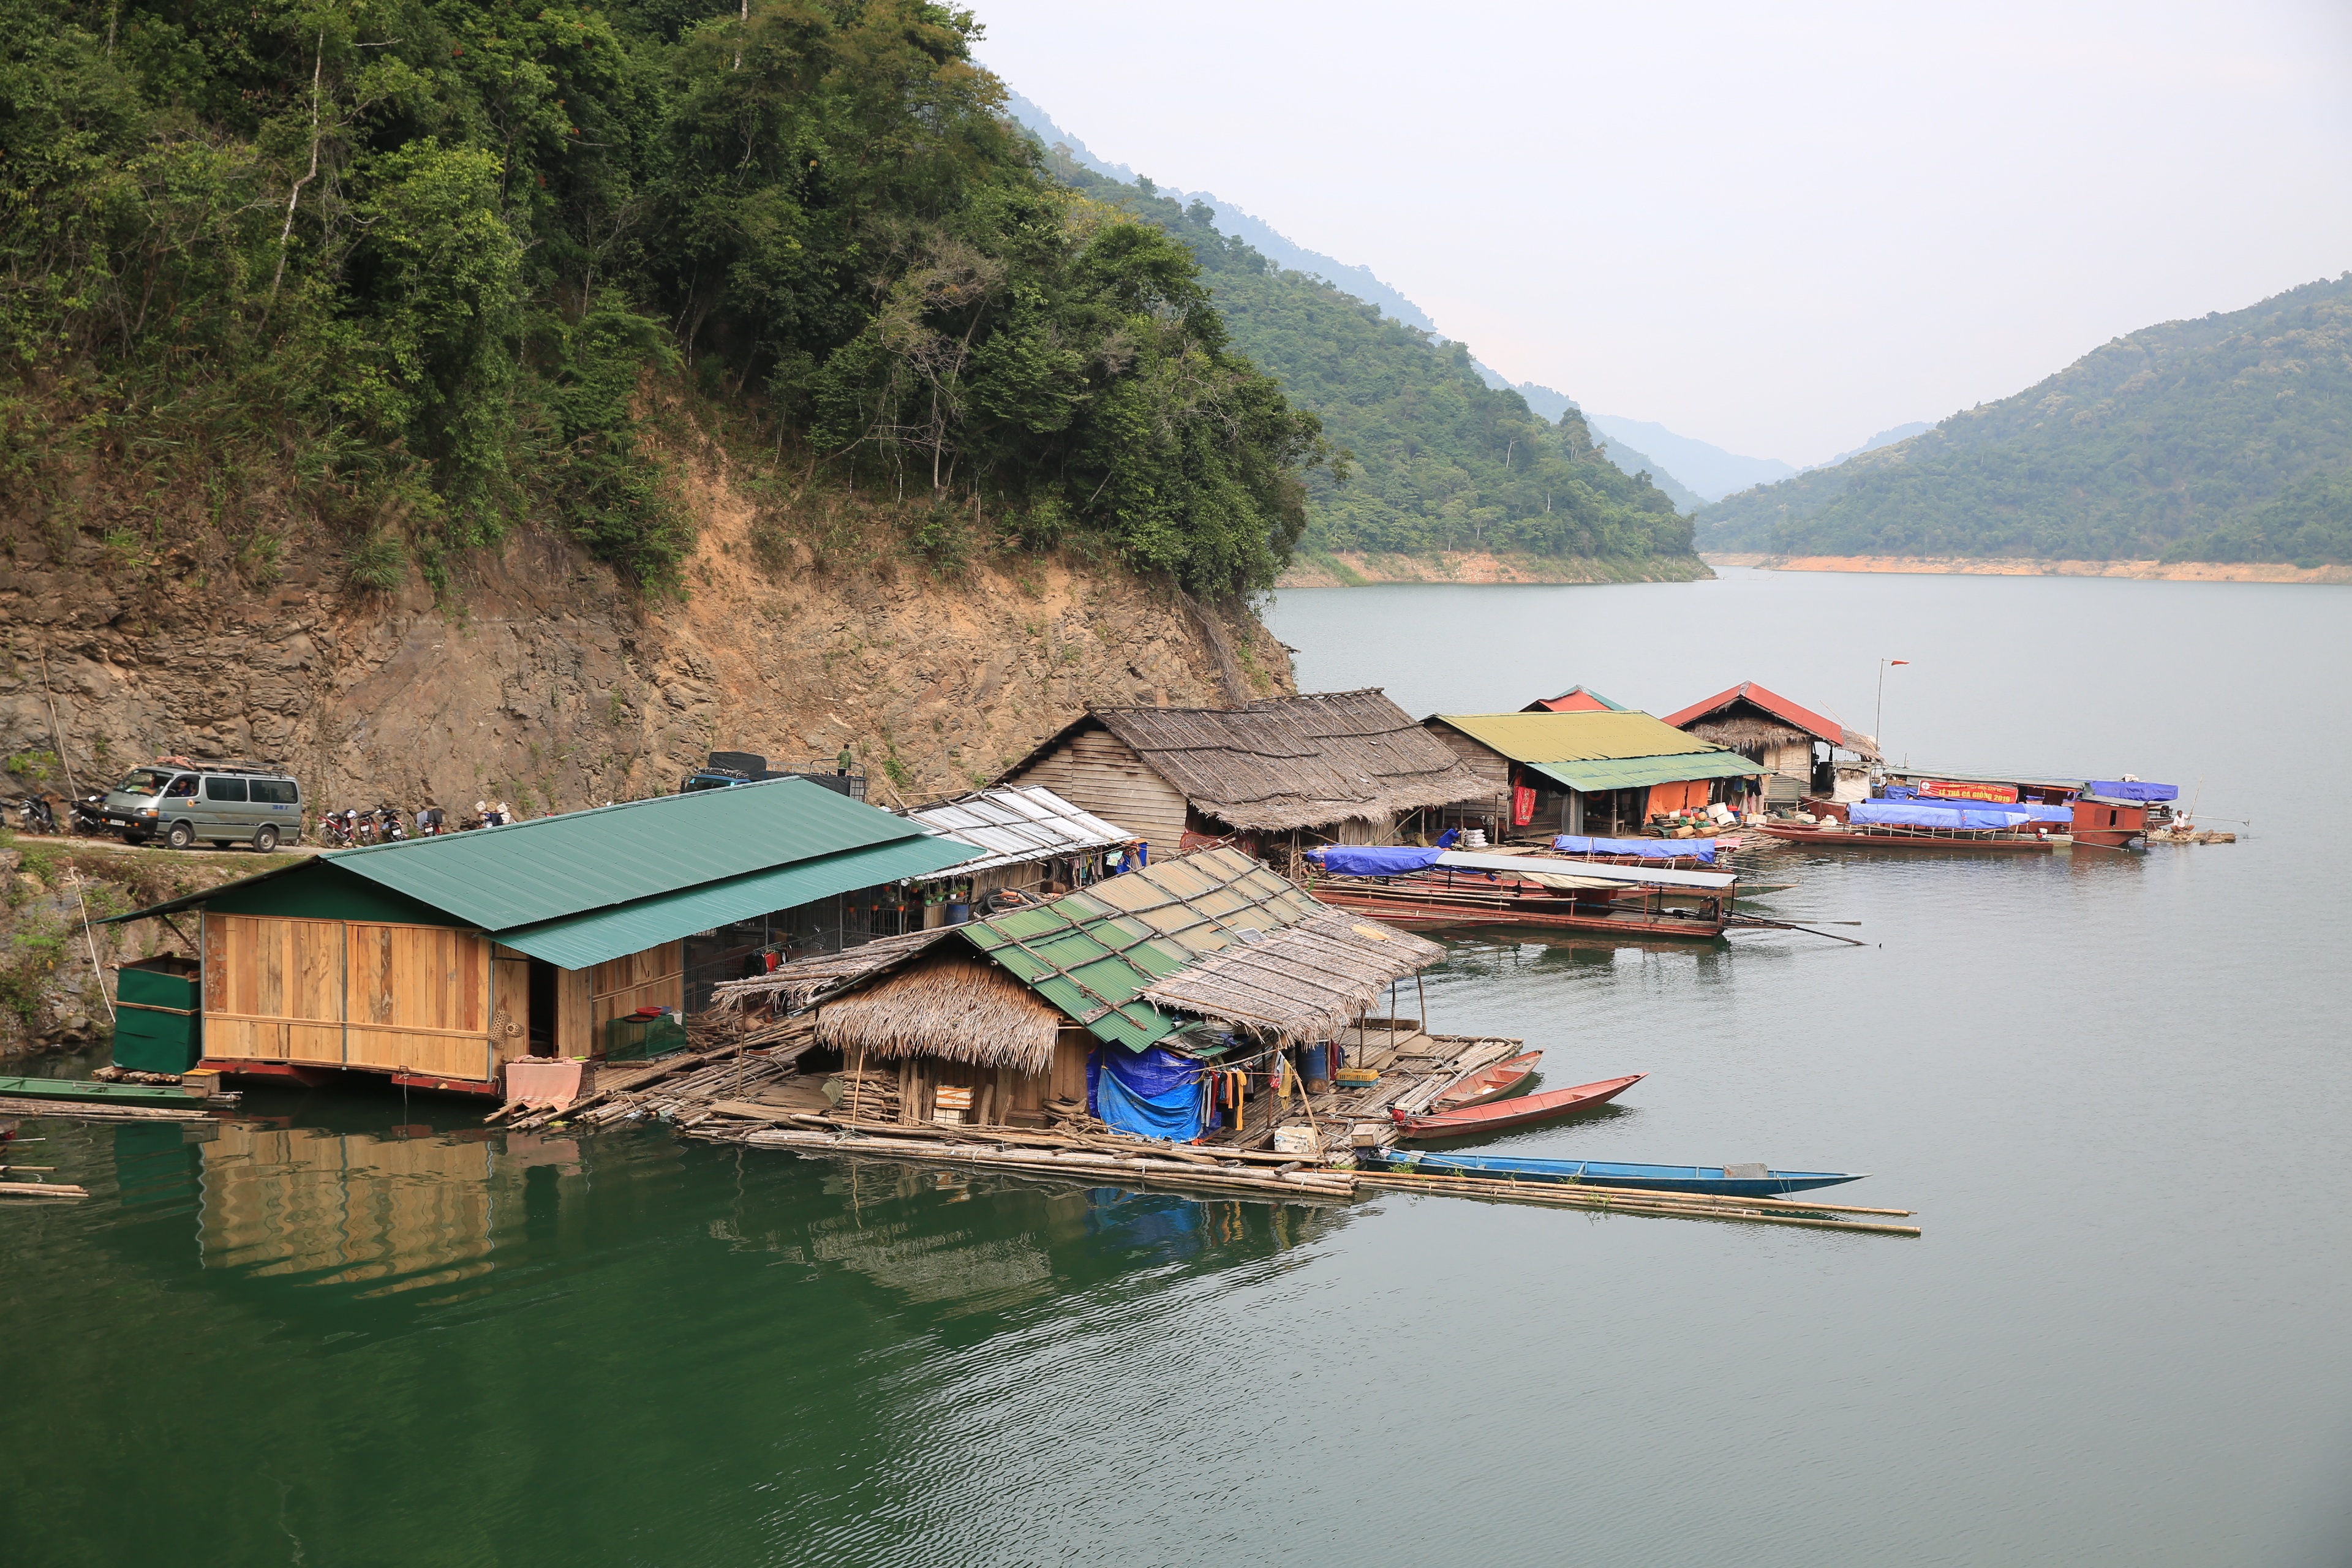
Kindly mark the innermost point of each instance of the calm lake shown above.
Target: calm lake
(2116, 1087)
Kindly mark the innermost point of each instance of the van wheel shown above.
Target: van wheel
(180, 835)
(265, 839)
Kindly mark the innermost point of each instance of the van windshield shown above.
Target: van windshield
(143, 781)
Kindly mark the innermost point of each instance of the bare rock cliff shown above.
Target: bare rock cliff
(539, 678)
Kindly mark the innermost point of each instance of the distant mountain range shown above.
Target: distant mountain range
(1629, 453)
(2226, 438)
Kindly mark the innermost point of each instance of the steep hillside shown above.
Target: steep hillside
(2223, 439)
(1437, 460)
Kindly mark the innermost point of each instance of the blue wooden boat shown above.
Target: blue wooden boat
(1719, 1181)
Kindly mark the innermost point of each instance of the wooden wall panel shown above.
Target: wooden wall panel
(435, 1055)
(1067, 1081)
(1493, 769)
(1095, 770)
(244, 1039)
(511, 1007)
(573, 1008)
(653, 978)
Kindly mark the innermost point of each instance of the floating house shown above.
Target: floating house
(1333, 767)
(1797, 748)
(438, 961)
(1604, 773)
(1129, 995)
(1028, 842)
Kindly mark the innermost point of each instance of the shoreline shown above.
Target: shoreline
(1356, 569)
(2027, 566)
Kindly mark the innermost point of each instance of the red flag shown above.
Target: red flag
(1898, 661)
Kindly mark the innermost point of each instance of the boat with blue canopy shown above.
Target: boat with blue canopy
(1721, 1181)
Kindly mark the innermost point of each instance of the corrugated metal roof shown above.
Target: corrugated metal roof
(1575, 737)
(530, 872)
(1010, 827)
(579, 941)
(1633, 773)
(1576, 700)
(1092, 952)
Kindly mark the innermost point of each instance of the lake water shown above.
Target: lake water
(2116, 1087)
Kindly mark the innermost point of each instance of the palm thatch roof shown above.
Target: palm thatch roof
(1300, 984)
(958, 1006)
(796, 983)
(1295, 762)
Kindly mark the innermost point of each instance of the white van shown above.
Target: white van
(223, 805)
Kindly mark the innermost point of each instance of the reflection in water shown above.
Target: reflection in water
(411, 1211)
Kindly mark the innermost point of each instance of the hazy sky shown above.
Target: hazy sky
(1781, 227)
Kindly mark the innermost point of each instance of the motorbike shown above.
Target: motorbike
(333, 833)
(362, 829)
(88, 817)
(388, 830)
(36, 814)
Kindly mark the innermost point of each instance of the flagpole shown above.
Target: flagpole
(1878, 714)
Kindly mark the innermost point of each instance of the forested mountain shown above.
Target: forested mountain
(1437, 460)
(1549, 403)
(2225, 439)
(409, 269)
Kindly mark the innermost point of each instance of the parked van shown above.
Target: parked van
(223, 805)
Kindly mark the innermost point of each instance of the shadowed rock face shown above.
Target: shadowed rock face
(542, 679)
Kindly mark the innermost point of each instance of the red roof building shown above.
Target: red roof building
(1575, 700)
(1768, 728)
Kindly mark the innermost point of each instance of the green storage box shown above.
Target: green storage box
(642, 1040)
(159, 1018)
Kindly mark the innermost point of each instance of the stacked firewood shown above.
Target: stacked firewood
(869, 1094)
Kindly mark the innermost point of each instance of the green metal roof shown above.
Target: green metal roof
(578, 940)
(1633, 773)
(529, 872)
(1575, 737)
(1091, 953)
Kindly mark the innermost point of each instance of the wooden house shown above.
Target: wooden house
(1004, 1013)
(1339, 767)
(1796, 747)
(1603, 772)
(438, 961)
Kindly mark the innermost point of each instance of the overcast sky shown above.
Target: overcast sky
(1780, 229)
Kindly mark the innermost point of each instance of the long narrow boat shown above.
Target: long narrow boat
(1725, 1181)
(1846, 835)
(1520, 1113)
(1488, 1083)
(89, 1092)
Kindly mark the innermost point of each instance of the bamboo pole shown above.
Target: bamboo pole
(1729, 1208)
(41, 1190)
(1640, 1193)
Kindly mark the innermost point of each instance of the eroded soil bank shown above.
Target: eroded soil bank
(2026, 566)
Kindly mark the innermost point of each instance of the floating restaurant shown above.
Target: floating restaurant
(1333, 767)
(438, 962)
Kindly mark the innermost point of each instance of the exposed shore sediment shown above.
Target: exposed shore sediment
(2027, 566)
(1353, 569)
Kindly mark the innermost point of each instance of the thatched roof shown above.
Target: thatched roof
(795, 984)
(957, 1006)
(1297, 761)
(1300, 984)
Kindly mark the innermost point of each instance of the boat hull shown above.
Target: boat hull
(1712, 1180)
(1492, 1083)
(1470, 1120)
(1848, 838)
(1412, 908)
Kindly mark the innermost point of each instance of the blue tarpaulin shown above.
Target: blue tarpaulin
(1918, 814)
(2034, 810)
(1368, 860)
(2132, 789)
(1153, 1093)
(1648, 849)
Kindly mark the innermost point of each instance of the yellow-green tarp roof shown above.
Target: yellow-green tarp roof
(1575, 737)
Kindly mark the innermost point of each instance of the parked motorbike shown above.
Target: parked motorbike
(388, 830)
(88, 817)
(334, 832)
(363, 827)
(35, 815)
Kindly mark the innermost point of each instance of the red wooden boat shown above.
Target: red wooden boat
(1488, 1083)
(1494, 1117)
(1853, 837)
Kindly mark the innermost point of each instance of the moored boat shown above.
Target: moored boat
(1488, 1083)
(1725, 1181)
(1494, 1117)
(1439, 887)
